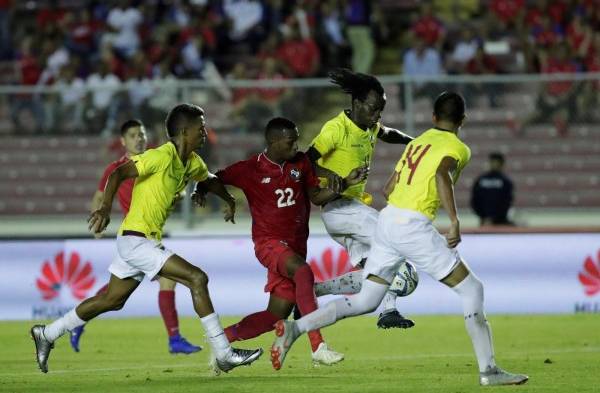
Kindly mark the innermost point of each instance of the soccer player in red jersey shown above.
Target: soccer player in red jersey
(133, 139)
(280, 184)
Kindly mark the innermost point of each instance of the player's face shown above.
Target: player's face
(196, 132)
(134, 140)
(288, 144)
(368, 112)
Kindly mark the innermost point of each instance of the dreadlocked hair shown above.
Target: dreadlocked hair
(357, 84)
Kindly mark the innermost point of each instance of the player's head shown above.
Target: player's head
(187, 121)
(133, 137)
(368, 96)
(281, 135)
(449, 108)
(496, 161)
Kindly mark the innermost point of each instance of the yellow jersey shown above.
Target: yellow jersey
(162, 176)
(344, 146)
(416, 188)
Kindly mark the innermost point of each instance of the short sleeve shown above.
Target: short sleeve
(151, 161)
(198, 169)
(233, 175)
(328, 138)
(104, 179)
(310, 177)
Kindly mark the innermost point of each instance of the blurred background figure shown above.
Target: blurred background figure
(492, 194)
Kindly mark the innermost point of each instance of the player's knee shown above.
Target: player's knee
(305, 272)
(198, 279)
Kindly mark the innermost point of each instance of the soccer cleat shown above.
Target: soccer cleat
(287, 333)
(178, 344)
(42, 347)
(238, 357)
(326, 356)
(75, 337)
(497, 376)
(393, 319)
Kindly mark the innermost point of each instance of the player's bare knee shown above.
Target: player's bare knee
(198, 279)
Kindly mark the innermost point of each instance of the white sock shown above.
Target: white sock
(348, 283)
(364, 302)
(389, 301)
(67, 322)
(216, 336)
(470, 291)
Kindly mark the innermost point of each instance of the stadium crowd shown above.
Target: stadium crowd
(94, 49)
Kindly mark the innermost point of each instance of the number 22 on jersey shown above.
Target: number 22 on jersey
(285, 197)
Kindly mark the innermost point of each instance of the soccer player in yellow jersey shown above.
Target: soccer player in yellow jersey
(161, 174)
(422, 180)
(344, 143)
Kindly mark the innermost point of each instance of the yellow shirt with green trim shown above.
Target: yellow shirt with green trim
(416, 188)
(162, 176)
(344, 146)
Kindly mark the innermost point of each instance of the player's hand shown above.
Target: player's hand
(357, 175)
(199, 198)
(99, 220)
(453, 235)
(229, 212)
(335, 183)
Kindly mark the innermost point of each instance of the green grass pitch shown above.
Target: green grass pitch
(560, 354)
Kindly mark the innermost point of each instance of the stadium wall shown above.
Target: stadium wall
(522, 273)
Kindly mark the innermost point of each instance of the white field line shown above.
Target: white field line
(202, 367)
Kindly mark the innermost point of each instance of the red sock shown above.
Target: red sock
(306, 300)
(166, 304)
(251, 326)
(103, 289)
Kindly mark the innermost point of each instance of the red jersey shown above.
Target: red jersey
(126, 187)
(277, 196)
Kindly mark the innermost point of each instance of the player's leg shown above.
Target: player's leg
(260, 322)
(168, 312)
(75, 334)
(113, 299)
(178, 269)
(353, 224)
(470, 290)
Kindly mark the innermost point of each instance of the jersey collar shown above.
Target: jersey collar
(262, 158)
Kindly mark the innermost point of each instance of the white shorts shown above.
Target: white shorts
(408, 235)
(138, 257)
(351, 224)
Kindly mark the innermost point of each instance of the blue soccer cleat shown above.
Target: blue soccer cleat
(178, 344)
(75, 337)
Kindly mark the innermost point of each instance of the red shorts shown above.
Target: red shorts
(272, 254)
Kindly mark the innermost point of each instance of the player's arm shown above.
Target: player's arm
(314, 155)
(443, 182)
(392, 135)
(99, 219)
(390, 184)
(214, 185)
(96, 200)
(320, 196)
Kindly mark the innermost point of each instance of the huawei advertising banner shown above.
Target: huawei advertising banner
(522, 273)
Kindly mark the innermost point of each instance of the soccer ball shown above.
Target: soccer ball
(405, 281)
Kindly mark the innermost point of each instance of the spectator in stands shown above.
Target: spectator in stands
(358, 28)
(6, 11)
(427, 27)
(72, 92)
(422, 61)
(29, 71)
(483, 64)
(191, 55)
(123, 22)
(81, 33)
(244, 17)
(507, 11)
(330, 36)
(464, 50)
(547, 33)
(105, 93)
(300, 55)
(588, 102)
(139, 87)
(456, 11)
(492, 194)
(557, 100)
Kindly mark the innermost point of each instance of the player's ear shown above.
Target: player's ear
(122, 141)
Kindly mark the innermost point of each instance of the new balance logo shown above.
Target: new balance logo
(266, 180)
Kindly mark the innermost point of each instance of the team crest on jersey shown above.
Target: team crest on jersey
(295, 174)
